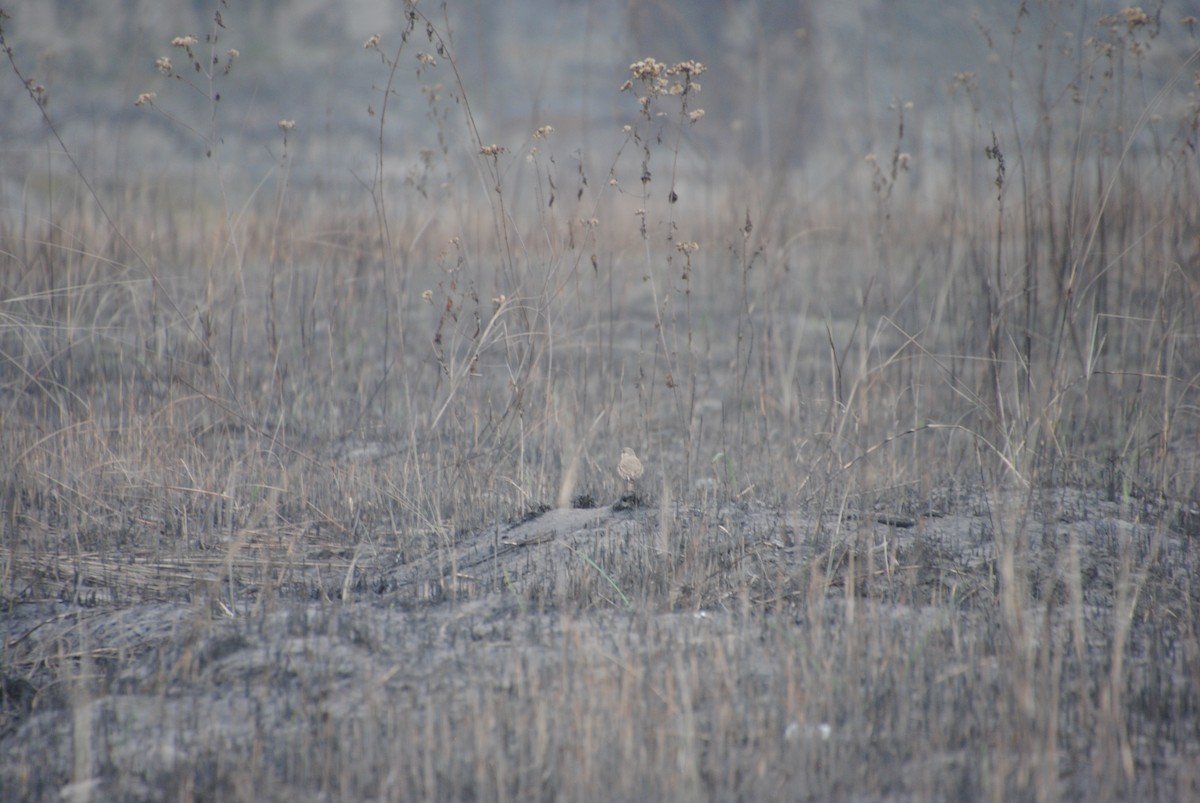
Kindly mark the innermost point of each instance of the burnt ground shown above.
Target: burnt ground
(986, 644)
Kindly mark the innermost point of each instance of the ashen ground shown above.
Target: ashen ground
(738, 653)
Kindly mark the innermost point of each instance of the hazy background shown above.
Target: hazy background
(795, 91)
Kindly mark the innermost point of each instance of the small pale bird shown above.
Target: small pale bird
(630, 468)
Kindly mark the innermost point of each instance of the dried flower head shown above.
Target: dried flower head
(687, 248)
(427, 296)
(690, 68)
(163, 65)
(647, 68)
(426, 59)
(37, 92)
(492, 150)
(146, 99)
(183, 41)
(287, 125)
(1135, 17)
(695, 115)
(543, 132)
(372, 43)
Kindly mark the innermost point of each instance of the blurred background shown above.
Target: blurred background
(793, 89)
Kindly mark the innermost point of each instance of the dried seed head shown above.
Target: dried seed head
(1135, 17)
(692, 68)
(647, 68)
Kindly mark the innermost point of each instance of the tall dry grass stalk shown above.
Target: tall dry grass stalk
(253, 400)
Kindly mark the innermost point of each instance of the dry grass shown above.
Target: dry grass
(310, 497)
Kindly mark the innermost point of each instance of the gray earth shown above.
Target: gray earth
(736, 653)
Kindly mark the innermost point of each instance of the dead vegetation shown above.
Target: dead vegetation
(310, 497)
